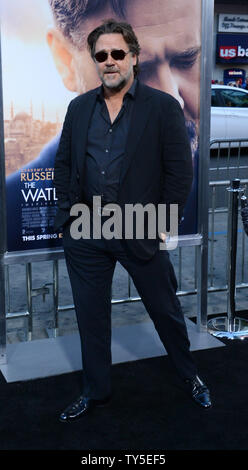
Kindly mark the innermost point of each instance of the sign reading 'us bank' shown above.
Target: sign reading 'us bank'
(232, 48)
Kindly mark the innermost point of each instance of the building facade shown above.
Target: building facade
(230, 56)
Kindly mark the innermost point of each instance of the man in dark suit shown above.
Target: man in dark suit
(126, 143)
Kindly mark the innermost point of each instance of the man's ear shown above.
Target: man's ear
(134, 59)
(62, 58)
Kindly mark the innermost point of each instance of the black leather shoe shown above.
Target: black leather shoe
(199, 392)
(80, 407)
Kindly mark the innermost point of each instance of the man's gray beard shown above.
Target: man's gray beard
(193, 136)
(115, 87)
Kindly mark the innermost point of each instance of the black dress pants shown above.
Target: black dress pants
(91, 264)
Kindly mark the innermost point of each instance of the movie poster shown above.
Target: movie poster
(45, 64)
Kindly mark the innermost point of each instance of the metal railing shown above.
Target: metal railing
(214, 213)
(229, 164)
(52, 288)
(217, 281)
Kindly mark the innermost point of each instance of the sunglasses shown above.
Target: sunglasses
(116, 54)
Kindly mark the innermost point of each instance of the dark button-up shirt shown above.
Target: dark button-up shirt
(106, 149)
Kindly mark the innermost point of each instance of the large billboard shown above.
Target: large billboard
(45, 64)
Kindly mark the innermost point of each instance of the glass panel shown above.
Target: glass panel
(235, 98)
(214, 99)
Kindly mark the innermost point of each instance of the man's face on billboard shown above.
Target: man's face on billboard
(169, 35)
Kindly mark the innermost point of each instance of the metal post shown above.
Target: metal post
(203, 183)
(29, 300)
(231, 327)
(232, 250)
(2, 314)
(56, 296)
(3, 240)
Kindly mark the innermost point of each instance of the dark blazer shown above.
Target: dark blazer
(157, 167)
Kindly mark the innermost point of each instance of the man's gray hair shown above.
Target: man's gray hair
(69, 16)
